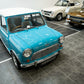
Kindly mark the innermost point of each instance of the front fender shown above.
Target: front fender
(62, 11)
(17, 46)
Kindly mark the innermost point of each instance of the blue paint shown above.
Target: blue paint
(34, 39)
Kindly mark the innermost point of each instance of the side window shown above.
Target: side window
(71, 4)
(37, 20)
(3, 23)
(0, 20)
(65, 3)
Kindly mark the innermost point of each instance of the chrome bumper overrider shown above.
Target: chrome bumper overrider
(38, 62)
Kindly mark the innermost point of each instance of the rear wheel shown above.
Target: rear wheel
(16, 62)
(59, 17)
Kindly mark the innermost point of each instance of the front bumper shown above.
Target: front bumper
(76, 21)
(52, 17)
(40, 61)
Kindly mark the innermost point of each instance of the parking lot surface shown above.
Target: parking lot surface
(67, 68)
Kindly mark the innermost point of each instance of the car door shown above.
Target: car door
(3, 31)
(71, 6)
(75, 6)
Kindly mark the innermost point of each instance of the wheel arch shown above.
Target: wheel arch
(12, 51)
(59, 13)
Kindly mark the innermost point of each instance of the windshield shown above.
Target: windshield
(19, 23)
(62, 3)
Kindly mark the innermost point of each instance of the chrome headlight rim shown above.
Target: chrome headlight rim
(27, 52)
(61, 40)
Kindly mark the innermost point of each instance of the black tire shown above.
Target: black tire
(15, 61)
(71, 23)
(49, 19)
(59, 17)
(0, 38)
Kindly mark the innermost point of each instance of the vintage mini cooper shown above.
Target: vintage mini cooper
(27, 37)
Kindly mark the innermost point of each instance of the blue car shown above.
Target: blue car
(27, 37)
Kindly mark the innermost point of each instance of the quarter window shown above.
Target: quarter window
(3, 23)
(0, 20)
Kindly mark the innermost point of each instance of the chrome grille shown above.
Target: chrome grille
(76, 18)
(44, 52)
(47, 12)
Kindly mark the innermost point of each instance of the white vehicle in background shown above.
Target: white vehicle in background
(60, 9)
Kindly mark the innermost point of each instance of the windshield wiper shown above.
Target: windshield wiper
(38, 26)
(20, 29)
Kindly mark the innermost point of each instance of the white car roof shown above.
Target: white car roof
(16, 11)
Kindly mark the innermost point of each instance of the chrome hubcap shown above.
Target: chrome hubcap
(59, 17)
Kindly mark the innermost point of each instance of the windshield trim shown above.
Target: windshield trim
(26, 29)
(44, 22)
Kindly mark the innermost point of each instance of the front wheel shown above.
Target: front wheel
(16, 62)
(59, 17)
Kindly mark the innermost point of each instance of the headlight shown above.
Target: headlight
(42, 11)
(27, 52)
(61, 39)
(68, 16)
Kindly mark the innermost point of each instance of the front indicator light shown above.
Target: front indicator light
(28, 60)
(61, 46)
(52, 13)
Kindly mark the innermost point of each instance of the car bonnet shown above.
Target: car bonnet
(39, 38)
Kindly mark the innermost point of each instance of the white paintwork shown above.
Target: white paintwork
(16, 11)
(59, 9)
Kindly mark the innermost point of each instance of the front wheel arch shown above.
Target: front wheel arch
(58, 19)
(17, 61)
